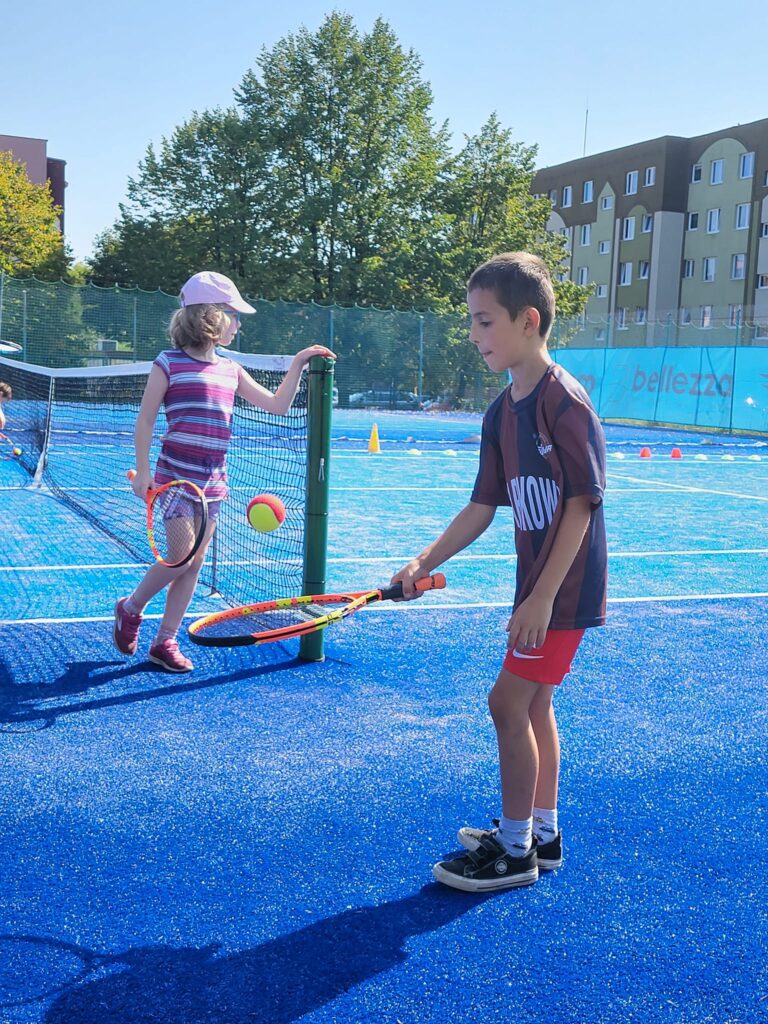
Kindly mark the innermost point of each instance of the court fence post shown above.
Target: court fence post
(320, 411)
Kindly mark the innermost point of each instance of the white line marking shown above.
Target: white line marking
(402, 559)
(695, 490)
(417, 607)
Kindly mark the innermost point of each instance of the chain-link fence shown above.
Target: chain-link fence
(387, 358)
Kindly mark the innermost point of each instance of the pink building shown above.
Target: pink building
(40, 167)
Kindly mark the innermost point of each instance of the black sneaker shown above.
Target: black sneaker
(488, 867)
(549, 855)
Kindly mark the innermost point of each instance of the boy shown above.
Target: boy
(5, 396)
(542, 453)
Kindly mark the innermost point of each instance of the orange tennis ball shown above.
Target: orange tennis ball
(17, 451)
(265, 513)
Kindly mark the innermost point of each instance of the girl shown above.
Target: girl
(197, 387)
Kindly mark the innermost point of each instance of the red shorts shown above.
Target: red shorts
(549, 663)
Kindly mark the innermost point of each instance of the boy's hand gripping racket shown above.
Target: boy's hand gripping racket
(177, 518)
(291, 616)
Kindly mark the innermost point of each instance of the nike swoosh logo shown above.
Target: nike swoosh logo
(527, 657)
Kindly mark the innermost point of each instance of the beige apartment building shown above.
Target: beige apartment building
(672, 234)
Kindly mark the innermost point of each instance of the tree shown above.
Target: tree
(30, 240)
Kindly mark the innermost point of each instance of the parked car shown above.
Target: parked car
(384, 400)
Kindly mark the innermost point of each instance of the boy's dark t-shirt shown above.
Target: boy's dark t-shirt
(535, 454)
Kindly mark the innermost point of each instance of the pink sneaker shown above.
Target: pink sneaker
(126, 629)
(170, 657)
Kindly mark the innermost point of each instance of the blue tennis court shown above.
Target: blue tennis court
(253, 842)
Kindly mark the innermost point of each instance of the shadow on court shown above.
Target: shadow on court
(32, 705)
(279, 981)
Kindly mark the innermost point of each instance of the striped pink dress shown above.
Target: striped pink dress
(198, 410)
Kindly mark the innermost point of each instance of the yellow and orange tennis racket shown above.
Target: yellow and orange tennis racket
(177, 518)
(287, 617)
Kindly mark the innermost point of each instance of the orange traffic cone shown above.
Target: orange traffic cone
(645, 453)
(675, 454)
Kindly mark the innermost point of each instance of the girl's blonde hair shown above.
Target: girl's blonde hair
(198, 327)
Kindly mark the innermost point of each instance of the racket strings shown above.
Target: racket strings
(177, 522)
(266, 620)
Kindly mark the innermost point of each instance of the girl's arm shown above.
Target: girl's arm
(154, 393)
(473, 520)
(281, 400)
(2, 416)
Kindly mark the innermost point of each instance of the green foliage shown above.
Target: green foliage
(328, 181)
(30, 241)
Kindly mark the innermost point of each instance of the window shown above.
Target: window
(705, 315)
(606, 203)
(747, 165)
(630, 185)
(605, 247)
(650, 176)
(625, 274)
(735, 310)
(602, 291)
(764, 230)
(685, 316)
(553, 197)
(599, 334)
(647, 223)
(582, 275)
(717, 172)
(621, 318)
(693, 222)
(640, 315)
(738, 266)
(762, 281)
(585, 235)
(713, 222)
(567, 195)
(629, 229)
(689, 268)
(709, 266)
(695, 173)
(643, 270)
(742, 216)
(586, 192)
(765, 180)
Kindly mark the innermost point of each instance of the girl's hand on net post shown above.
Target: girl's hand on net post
(303, 357)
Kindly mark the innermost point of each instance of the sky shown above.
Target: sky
(100, 81)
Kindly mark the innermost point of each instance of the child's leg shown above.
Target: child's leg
(544, 724)
(181, 590)
(510, 702)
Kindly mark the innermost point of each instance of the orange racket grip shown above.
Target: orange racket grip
(436, 582)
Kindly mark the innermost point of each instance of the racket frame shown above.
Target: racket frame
(353, 602)
(154, 493)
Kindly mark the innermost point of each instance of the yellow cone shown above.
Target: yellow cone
(373, 444)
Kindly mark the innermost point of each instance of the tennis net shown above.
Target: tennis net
(75, 429)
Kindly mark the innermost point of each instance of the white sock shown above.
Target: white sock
(544, 824)
(515, 836)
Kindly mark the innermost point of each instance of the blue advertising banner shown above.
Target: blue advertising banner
(718, 388)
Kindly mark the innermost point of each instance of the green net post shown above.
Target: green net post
(320, 400)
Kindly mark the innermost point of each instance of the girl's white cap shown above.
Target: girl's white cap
(208, 286)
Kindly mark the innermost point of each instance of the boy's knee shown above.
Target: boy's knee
(507, 712)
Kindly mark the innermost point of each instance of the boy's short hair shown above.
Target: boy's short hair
(518, 279)
(5, 391)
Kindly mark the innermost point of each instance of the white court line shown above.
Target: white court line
(389, 559)
(695, 490)
(407, 607)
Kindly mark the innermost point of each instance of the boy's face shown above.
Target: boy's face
(502, 342)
